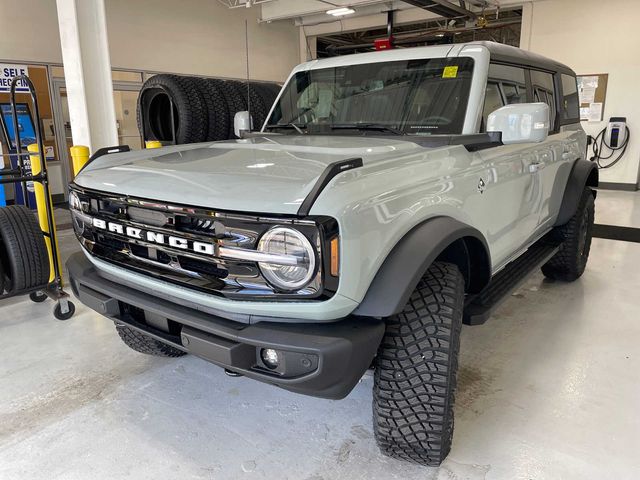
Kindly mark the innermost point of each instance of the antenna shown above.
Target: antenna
(246, 43)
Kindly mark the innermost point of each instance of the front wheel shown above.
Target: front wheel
(570, 262)
(415, 372)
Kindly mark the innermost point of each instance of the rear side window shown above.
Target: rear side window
(543, 91)
(570, 102)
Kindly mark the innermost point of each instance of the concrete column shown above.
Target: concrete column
(526, 26)
(87, 72)
(308, 46)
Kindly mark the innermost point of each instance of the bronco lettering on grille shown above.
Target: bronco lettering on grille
(154, 237)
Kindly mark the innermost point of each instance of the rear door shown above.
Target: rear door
(554, 153)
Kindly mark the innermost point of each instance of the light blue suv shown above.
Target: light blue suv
(389, 198)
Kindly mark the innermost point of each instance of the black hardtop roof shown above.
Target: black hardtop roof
(507, 54)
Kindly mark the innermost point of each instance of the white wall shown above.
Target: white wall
(198, 36)
(180, 36)
(592, 36)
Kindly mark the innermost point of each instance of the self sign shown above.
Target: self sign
(8, 72)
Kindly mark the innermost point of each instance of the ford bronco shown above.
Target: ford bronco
(389, 198)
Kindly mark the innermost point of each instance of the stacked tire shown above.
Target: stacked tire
(203, 108)
(24, 260)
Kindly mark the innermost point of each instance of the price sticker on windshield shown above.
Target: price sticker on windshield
(450, 72)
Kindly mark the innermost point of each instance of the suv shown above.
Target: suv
(389, 198)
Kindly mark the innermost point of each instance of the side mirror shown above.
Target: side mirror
(242, 122)
(520, 122)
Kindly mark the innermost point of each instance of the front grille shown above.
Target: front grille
(181, 244)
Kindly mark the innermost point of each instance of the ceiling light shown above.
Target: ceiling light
(339, 12)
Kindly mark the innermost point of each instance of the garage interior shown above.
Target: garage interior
(547, 387)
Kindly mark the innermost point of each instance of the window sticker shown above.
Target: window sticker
(450, 71)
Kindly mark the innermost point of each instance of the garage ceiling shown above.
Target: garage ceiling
(301, 10)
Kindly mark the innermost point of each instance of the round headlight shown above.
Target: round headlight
(74, 201)
(292, 244)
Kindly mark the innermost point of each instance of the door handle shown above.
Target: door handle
(536, 167)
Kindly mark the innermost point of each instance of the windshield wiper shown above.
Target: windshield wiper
(367, 126)
(297, 128)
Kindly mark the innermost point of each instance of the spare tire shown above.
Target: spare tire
(23, 251)
(236, 101)
(189, 110)
(269, 90)
(217, 112)
(1, 279)
(258, 106)
(266, 94)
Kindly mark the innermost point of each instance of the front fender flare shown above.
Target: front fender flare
(409, 260)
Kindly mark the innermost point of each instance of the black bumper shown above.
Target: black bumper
(324, 360)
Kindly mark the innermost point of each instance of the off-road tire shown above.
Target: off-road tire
(570, 262)
(217, 112)
(190, 111)
(144, 344)
(23, 251)
(415, 370)
(267, 95)
(259, 106)
(2, 280)
(235, 101)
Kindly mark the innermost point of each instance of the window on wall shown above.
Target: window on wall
(570, 102)
(544, 91)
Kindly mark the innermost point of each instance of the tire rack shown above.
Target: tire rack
(64, 308)
(143, 123)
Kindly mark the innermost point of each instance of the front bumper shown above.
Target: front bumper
(320, 359)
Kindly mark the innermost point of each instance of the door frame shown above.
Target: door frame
(57, 84)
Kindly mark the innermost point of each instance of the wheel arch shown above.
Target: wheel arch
(583, 174)
(440, 238)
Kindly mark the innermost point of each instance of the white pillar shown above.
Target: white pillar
(87, 72)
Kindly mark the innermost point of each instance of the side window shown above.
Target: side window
(511, 80)
(570, 102)
(492, 101)
(544, 91)
(506, 85)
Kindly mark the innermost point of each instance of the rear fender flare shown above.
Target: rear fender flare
(440, 237)
(583, 174)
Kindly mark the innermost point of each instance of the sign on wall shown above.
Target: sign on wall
(592, 91)
(7, 72)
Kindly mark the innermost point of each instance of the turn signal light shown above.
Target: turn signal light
(335, 256)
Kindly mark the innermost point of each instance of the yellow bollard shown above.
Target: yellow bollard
(36, 169)
(80, 157)
(153, 144)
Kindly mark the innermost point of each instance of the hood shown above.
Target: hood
(270, 174)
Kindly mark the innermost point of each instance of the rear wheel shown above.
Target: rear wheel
(570, 262)
(415, 373)
(145, 344)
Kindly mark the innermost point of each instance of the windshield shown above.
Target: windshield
(424, 96)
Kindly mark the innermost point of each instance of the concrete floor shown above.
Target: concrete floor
(548, 389)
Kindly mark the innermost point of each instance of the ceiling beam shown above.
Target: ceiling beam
(443, 8)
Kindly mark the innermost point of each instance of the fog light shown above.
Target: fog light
(270, 357)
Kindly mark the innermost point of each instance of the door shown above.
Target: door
(510, 180)
(125, 97)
